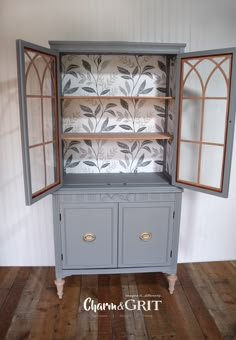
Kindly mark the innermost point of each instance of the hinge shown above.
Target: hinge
(60, 216)
(171, 253)
(62, 257)
(173, 214)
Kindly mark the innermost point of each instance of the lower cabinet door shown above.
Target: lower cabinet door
(145, 234)
(89, 235)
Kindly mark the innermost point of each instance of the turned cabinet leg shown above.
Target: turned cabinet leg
(59, 284)
(172, 279)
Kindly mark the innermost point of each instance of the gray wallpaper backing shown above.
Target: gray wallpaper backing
(113, 78)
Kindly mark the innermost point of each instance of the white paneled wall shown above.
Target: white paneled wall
(208, 227)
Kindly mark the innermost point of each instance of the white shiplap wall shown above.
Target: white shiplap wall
(208, 228)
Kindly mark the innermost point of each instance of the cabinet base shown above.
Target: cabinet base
(172, 279)
(59, 284)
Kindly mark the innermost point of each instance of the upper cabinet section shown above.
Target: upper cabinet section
(206, 120)
(37, 74)
(124, 108)
(117, 103)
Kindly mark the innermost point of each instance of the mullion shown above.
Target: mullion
(203, 143)
(39, 96)
(41, 144)
(201, 97)
(200, 142)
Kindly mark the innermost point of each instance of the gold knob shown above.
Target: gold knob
(145, 236)
(89, 237)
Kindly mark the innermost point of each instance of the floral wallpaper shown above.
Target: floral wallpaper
(111, 76)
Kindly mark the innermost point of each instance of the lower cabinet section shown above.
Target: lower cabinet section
(113, 232)
(93, 236)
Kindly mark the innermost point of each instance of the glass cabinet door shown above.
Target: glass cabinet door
(39, 109)
(206, 111)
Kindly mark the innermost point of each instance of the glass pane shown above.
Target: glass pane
(211, 165)
(218, 59)
(217, 85)
(225, 66)
(208, 76)
(204, 68)
(49, 119)
(33, 86)
(40, 74)
(214, 121)
(191, 119)
(48, 79)
(186, 68)
(50, 163)
(37, 169)
(41, 61)
(188, 162)
(34, 120)
(192, 85)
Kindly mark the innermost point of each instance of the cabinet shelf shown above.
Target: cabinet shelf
(117, 136)
(117, 97)
(107, 181)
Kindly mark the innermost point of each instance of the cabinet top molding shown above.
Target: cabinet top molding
(116, 47)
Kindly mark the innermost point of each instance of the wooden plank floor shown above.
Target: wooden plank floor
(202, 307)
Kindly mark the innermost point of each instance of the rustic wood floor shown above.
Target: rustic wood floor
(202, 307)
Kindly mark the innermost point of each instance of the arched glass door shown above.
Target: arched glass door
(206, 110)
(39, 119)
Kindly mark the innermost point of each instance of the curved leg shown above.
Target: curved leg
(59, 284)
(172, 279)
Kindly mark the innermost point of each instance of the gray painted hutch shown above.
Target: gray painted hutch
(115, 130)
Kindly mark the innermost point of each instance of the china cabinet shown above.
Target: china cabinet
(115, 130)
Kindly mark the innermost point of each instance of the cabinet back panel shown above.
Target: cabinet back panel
(107, 85)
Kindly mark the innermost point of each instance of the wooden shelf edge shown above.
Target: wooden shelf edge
(117, 97)
(116, 136)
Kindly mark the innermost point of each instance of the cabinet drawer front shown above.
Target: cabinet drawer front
(145, 231)
(89, 236)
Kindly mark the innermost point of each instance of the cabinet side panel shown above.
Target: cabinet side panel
(176, 231)
(57, 235)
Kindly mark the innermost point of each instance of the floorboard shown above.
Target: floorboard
(129, 306)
